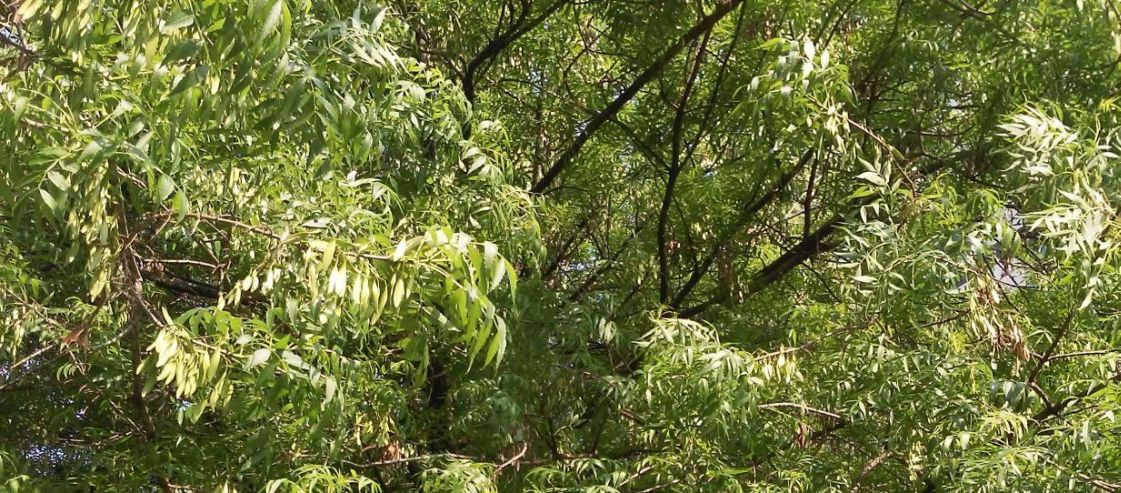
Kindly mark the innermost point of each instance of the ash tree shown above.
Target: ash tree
(560, 245)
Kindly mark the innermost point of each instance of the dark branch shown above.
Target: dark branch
(746, 215)
(516, 30)
(605, 115)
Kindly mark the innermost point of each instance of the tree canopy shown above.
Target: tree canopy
(560, 245)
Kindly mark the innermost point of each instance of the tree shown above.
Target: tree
(546, 245)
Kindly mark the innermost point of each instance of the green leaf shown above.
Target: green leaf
(180, 205)
(398, 291)
(182, 51)
(328, 255)
(498, 343)
(481, 338)
(258, 357)
(872, 177)
(28, 9)
(272, 19)
(499, 272)
(513, 277)
(189, 80)
(164, 188)
(59, 181)
(399, 252)
(178, 20)
(52, 204)
(92, 149)
(330, 386)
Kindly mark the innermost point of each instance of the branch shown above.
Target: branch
(808, 247)
(563, 251)
(418, 458)
(1057, 408)
(613, 108)
(519, 28)
(607, 263)
(710, 106)
(676, 166)
(182, 286)
(1077, 354)
(748, 212)
(198, 263)
(1051, 349)
(816, 436)
(808, 201)
(872, 464)
(515, 458)
(234, 223)
(802, 407)
(663, 226)
(134, 291)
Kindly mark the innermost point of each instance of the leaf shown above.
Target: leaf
(180, 205)
(189, 80)
(490, 253)
(398, 291)
(164, 188)
(336, 282)
(399, 252)
(59, 181)
(328, 248)
(52, 204)
(91, 149)
(28, 9)
(272, 19)
(499, 273)
(214, 362)
(480, 340)
(149, 382)
(498, 343)
(178, 20)
(375, 26)
(872, 177)
(513, 274)
(181, 51)
(259, 356)
(330, 386)
(1087, 300)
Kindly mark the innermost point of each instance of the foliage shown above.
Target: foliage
(547, 245)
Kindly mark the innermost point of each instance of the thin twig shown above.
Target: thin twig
(1083, 353)
(199, 263)
(513, 459)
(819, 412)
(1051, 349)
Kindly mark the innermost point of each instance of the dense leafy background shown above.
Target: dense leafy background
(559, 245)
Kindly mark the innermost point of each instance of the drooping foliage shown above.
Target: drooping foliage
(557, 245)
